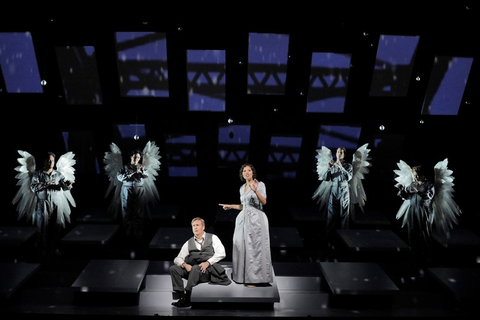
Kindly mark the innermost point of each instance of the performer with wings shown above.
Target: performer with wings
(341, 185)
(134, 186)
(426, 204)
(45, 196)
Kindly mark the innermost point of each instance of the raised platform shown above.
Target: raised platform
(206, 295)
(97, 234)
(111, 281)
(358, 283)
(15, 236)
(14, 275)
(16, 242)
(234, 293)
(372, 240)
(459, 238)
(96, 215)
(463, 283)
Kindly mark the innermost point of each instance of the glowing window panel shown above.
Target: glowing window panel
(132, 131)
(142, 64)
(19, 63)
(283, 157)
(446, 85)
(334, 136)
(267, 63)
(206, 80)
(329, 74)
(393, 65)
(181, 155)
(233, 144)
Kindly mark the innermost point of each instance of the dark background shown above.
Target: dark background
(35, 122)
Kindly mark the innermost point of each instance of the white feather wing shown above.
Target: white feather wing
(324, 156)
(404, 177)
(63, 198)
(25, 198)
(361, 163)
(445, 209)
(151, 160)
(113, 163)
(65, 165)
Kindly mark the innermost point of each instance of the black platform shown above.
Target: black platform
(118, 281)
(372, 240)
(14, 275)
(463, 283)
(15, 236)
(235, 294)
(97, 234)
(207, 295)
(285, 237)
(358, 284)
(16, 242)
(96, 215)
(459, 238)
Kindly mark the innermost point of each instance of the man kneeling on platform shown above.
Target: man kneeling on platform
(197, 262)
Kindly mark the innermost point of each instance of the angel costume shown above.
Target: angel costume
(134, 186)
(418, 212)
(251, 257)
(45, 195)
(339, 201)
(341, 188)
(426, 204)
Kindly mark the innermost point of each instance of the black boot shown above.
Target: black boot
(184, 301)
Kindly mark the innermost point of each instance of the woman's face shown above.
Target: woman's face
(247, 173)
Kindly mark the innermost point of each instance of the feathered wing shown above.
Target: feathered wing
(63, 198)
(361, 163)
(324, 156)
(25, 198)
(404, 178)
(445, 209)
(113, 163)
(151, 161)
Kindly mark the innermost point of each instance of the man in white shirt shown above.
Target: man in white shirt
(197, 262)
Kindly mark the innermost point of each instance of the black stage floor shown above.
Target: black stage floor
(366, 271)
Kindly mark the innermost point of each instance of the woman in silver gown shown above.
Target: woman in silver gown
(251, 256)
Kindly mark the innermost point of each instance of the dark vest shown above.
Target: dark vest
(216, 272)
(198, 256)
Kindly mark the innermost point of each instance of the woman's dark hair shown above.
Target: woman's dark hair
(254, 175)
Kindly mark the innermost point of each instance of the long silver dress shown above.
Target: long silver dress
(251, 256)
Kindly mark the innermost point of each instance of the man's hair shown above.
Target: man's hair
(198, 218)
(135, 152)
(419, 170)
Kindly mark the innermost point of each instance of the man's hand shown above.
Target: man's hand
(203, 266)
